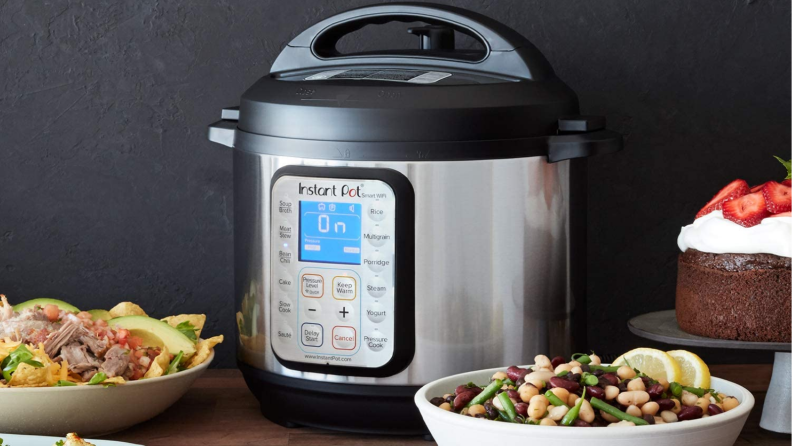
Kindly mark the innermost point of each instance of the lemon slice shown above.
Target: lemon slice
(656, 364)
(694, 371)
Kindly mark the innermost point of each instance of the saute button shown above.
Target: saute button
(376, 262)
(284, 333)
(312, 309)
(344, 288)
(312, 335)
(344, 338)
(375, 341)
(285, 281)
(312, 285)
(376, 312)
(345, 312)
(376, 211)
(376, 287)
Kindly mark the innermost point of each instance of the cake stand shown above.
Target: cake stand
(662, 326)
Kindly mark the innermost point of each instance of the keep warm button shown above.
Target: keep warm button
(344, 288)
(344, 338)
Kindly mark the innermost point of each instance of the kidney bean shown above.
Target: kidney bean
(649, 418)
(519, 382)
(492, 412)
(655, 391)
(514, 373)
(580, 423)
(646, 380)
(665, 404)
(522, 409)
(462, 389)
(598, 373)
(557, 361)
(690, 413)
(613, 380)
(571, 386)
(513, 394)
(437, 401)
(585, 368)
(573, 377)
(595, 392)
(462, 399)
(450, 399)
(714, 409)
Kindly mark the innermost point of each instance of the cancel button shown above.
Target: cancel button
(376, 341)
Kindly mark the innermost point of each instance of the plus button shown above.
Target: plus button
(343, 312)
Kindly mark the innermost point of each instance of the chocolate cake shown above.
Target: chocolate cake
(744, 297)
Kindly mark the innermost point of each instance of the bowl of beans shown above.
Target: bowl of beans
(559, 400)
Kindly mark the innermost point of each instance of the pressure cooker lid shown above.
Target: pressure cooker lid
(434, 93)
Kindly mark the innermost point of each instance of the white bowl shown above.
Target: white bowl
(451, 429)
(91, 410)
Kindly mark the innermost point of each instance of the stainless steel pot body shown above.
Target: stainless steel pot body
(493, 266)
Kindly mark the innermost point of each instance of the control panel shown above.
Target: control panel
(333, 276)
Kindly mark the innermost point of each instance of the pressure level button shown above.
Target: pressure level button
(376, 211)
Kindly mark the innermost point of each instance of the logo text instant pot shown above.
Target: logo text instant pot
(330, 191)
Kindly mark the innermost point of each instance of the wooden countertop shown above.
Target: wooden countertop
(219, 411)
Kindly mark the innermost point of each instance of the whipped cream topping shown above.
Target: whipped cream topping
(714, 234)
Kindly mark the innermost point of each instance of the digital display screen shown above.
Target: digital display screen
(330, 232)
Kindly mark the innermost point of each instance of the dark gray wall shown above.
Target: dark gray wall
(109, 189)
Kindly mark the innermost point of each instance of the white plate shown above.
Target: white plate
(451, 429)
(91, 411)
(30, 440)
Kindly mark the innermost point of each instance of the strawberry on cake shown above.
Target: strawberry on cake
(734, 270)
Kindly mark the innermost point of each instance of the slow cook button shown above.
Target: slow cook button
(284, 306)
(376, 287)
(375, 341)
(376, 262)
(376, 211)
(312, 335)
(344, 338)
(285, 281)
(376, 312)
(376, 237)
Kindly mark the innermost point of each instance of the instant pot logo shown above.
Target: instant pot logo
(331, 191)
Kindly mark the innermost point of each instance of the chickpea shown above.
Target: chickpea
(527, 391)
(622, 424)
(464, 411)
(634, 397)
(636, 384)
(625, 372)
(576, 369)
(664, 382)
(547, 422)
(608, 417)
(497, 403)
(703, 403)
(574, 364)
(499, 375)
(538, 383)
(447, 395)
(445, 406)
(561, 393)
(650, 408)
(634, 411)
(586, 412)
(537, 407)
(543, 362)
(562, 368)
(572, 400)
(688, 399)
(611, 392)
(556, 413)
(730, 403)
(668, 416)
(677, 406)
(659, 420)
(478, 409)
(595, 360)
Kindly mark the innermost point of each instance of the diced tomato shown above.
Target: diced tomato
(140, 353)
(101, 322)
(137, 373)
(134, 342)
(122, 335)
(52, 312)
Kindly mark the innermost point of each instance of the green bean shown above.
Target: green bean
(604, 368)
(582, 358)
(573, 413)
(508, 406)
(676, 389)
(554, 400)
(590, 380)
(607, 408)
(487, 393)
(509, 382)
(563, 373)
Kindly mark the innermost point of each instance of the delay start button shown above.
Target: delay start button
(312, 335)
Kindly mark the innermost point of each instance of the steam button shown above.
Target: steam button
(376, 287)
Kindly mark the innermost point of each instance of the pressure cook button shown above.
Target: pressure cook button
(345, 312)
(375, 341)
(312, 335)
(285, 281)
(312, 285)
(344, 288)
(376, 211)
(285, 230)
(313, 310)
(376, 287)
(376, 312)
(344, 338)
(376, 262)
(376, 237)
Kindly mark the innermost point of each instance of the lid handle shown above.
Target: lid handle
(506, 51)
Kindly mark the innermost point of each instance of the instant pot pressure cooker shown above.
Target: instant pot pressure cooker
(401, 216)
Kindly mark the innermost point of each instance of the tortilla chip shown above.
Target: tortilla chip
(64, 371)
(197, 320)
(203, 349)
(159, 365)
(127, 309)
(27, 375)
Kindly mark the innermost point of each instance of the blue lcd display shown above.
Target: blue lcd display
(330, 232)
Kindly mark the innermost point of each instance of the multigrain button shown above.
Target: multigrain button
(376, 236)
(285, 280)
(376, 211)
(344, 288)
(312, 309)
(375, 341)
(344, 338)
(376, 262)
(312, 285)
(312, 335)
(376, 287)
(376, 312)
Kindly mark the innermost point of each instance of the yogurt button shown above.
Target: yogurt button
(376, 211)
(376, 287)
(376, 312)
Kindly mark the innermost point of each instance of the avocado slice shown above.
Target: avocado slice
(41, 301)
(100, 314)
(156, 333)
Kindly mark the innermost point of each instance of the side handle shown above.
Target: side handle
(224, 130)
(582, 137)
